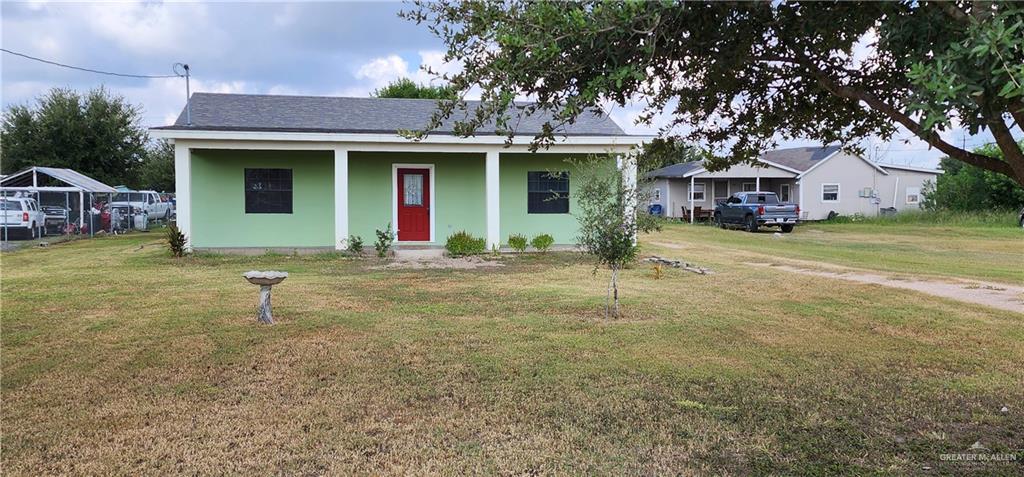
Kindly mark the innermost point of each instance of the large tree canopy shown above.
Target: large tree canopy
(97, 134)
(737, 77)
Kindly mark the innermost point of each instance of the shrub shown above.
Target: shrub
(542, 242)
(462, 243)
(175, 240)
(517, 242)
(355, 245)
(384, 240)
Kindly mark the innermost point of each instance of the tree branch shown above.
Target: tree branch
(931, 137)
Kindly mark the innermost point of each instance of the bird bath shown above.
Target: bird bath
(265, 280)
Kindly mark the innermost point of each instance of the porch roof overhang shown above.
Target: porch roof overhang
(221, 139)
(734, 173)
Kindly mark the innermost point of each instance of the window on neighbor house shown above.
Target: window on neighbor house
(547, 192)
(268, 191)
(749, 187)
(697, 193)
(656, 196)
(913, 195)
(784, 192)
(721, 190)
(830, 192)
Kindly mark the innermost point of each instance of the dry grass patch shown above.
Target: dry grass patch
(161, 368)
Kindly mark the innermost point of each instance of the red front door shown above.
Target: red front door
(413, 205)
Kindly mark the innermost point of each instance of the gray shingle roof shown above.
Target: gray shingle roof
(676, 170)
(799, 158)
(249, 112)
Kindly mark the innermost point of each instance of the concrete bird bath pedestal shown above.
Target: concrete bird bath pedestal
(265, 280)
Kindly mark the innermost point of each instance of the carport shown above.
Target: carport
(54, 187)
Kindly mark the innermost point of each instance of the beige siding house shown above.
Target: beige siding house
(821, 180)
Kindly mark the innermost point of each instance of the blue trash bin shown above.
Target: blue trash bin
(655, 209)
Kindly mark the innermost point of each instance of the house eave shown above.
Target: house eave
(174, 134)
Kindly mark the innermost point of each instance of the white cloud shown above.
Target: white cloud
(381, 71)
(153, 28)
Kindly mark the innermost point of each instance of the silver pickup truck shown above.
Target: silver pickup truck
(752, 210)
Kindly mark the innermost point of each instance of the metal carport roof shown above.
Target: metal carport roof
(28, 178)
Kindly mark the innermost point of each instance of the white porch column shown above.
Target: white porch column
(340, 198)
(627, 167)
(757, 183)
(183, 191)
(800, 197)
(692, 184)
(81, 208)
(492, 197)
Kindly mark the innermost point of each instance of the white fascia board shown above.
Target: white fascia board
(699, 170)
(596, 143)
(397, 147)
(911, 169)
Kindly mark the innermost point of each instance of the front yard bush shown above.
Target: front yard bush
(354, 246)
(175, 240)
(517, 242)
(542, 242)
(384, 240)
(462, 243)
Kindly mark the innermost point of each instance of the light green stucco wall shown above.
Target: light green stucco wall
(458, 192)
(514, 219)
(218, 200)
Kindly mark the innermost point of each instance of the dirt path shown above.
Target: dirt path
(996, 295)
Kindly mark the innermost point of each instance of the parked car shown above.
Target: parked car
(752, 210)
(146, 201)
(56, 219)
(21, 217)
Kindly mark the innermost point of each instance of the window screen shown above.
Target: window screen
(830, 192)
(913, 195)
(548, 192)
(697, 193)
(268, 191)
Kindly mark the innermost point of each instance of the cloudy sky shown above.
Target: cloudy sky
(312, 48)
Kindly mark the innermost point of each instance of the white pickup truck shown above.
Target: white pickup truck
(144, 200)
(21, 217)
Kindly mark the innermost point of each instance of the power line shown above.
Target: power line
(90, 70)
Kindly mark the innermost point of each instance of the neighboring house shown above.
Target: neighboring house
(820, 179)
(259, 171)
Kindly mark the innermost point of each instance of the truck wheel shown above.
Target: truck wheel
(751, 224)
(718, 220)
(787, 228)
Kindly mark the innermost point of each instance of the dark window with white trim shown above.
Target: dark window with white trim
(268, 191)
(548, 192)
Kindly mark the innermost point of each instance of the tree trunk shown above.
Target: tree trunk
(263, 314)
(608, 296)
(615, 292)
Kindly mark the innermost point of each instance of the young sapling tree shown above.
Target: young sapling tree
(607, 214)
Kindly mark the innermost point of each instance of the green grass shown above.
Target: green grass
(993, 253)
(120, 359)
(987, 219)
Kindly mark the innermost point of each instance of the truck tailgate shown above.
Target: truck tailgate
(781, 212)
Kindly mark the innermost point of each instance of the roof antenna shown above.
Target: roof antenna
(188, 92)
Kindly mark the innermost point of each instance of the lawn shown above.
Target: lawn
(119, 359)
(975, 251)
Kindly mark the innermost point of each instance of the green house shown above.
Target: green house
(302, 172)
